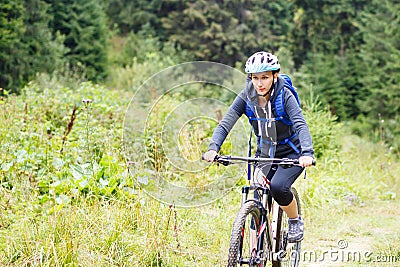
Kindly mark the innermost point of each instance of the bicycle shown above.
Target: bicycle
(252, 243)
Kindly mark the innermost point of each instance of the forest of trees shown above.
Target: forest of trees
(347, 51)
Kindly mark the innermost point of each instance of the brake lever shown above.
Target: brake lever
(222, 161)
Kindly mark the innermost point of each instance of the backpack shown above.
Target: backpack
(279, 103)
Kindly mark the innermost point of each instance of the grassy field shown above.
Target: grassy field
(66, 198)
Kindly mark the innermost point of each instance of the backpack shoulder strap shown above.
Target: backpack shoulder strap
(279, 102)
(288, 84)
(249, 111)
(280, 111)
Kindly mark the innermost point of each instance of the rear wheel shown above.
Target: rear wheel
(243, 242)
(290, 252)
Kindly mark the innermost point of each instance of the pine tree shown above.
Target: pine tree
(228, 31)
(131, 16)
(327, 27)
(381, 59)
(326, 42)
(44, 53)
(84, 25)
(12, 49)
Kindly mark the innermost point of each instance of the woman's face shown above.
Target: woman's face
(262, 81)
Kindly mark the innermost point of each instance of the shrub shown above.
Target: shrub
(324, 128)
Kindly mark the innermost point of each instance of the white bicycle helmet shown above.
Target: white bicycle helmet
(262, 61)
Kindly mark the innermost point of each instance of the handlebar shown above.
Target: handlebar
(228, 160)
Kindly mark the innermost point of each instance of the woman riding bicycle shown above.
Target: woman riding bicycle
(274, 137)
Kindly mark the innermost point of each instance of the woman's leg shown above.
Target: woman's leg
(291, 209)
(280, 185)
(280, 189)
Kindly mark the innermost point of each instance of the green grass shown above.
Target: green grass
(79, 206)
(117, 233)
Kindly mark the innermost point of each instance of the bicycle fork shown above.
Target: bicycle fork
(264, 223)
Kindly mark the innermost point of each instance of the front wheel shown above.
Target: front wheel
(290, 252)
(243, 242)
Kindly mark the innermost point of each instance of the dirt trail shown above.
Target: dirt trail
(367, 235)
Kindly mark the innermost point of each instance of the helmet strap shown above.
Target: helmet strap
(264, 95)
(270, 89)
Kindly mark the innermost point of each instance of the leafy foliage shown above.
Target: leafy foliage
(62, 147)
(348, 51)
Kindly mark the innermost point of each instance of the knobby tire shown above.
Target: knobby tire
(240, 245)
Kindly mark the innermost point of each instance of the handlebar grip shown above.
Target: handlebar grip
(297, 161)
(216, 157)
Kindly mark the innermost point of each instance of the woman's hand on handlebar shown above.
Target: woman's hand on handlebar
(306, 161)
(210, 155)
